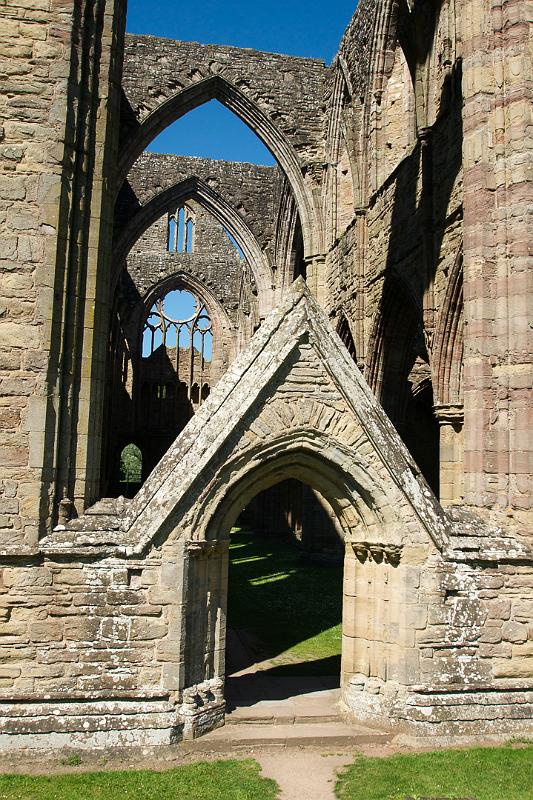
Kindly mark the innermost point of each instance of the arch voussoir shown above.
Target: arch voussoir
(215, 87)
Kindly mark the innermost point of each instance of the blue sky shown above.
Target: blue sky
(295, 27)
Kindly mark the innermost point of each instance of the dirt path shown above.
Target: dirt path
(303, 774)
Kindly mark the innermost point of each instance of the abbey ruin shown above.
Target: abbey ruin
(358, 333)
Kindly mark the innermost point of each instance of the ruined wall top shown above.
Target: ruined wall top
(253, 191)
(358, 44)
(286, 88)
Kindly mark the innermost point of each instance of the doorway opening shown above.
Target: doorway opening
(284, 617)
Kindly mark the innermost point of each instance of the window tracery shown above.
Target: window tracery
(181, 230)
(180, 323)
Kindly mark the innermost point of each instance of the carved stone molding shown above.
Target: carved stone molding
(449, 413)
(378, 552)
(206, 547)
(201, 696)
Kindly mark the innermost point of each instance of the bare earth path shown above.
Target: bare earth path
(303, 774)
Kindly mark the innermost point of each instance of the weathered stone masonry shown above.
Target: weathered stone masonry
(402, 196)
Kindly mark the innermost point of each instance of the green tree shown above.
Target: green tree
(131, 464)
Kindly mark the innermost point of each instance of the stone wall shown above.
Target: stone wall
(287, 89)
(129, 601)
(215, 263)
(413, 83)
(46, 58)
(253, 191)
(404, 190)
(497, 156)
(35, 73)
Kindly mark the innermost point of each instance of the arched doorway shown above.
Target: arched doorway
(284, 603)
(310, 654)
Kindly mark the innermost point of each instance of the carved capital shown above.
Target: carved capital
(201, 696)
(449, 413)
(65, 511)
(378, 552)
(205, 547)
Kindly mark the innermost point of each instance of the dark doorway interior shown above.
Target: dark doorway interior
(284, 597)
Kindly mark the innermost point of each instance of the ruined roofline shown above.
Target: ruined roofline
(131, 529)
(128, 528)
(358, 18)
(229, 48)
(269, 169)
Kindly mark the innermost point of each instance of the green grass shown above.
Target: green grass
(293, 607)
(499, 773)
(219, 780)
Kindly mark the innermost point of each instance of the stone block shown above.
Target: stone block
(514, 632)
(147, 629)
(523, 610)
(49, 630)
(82, 629)
(416, 616)
(498, 609)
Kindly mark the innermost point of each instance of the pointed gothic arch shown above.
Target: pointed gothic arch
(215, 87)
(394, 330)
(345, 333)
(195, 189)
(342, 174)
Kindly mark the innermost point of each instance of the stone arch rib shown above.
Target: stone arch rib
(395, 326)
(305, 457)
(448, 343)
(195, 189)
(217, 88)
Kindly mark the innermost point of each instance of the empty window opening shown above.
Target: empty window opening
(130, 470)
(343, 329)
(179, 333)
(181, 231)
(195, 394)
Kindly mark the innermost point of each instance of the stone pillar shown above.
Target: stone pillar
(203, 705)
(385, 617)
(64, 77)
(84, 330)
(315, 270)
(497, 229)
(207, 589)
(451, 481)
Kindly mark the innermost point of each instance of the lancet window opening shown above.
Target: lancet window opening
(181, 230)
(180, 322)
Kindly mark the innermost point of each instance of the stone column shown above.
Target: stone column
(451, 481)
(497, 229)
(203, 705)
(55, 148)
(206, 602)
(315, 269)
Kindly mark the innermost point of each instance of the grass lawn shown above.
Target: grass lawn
(496, 773)
(293, 607)
(218, 780)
